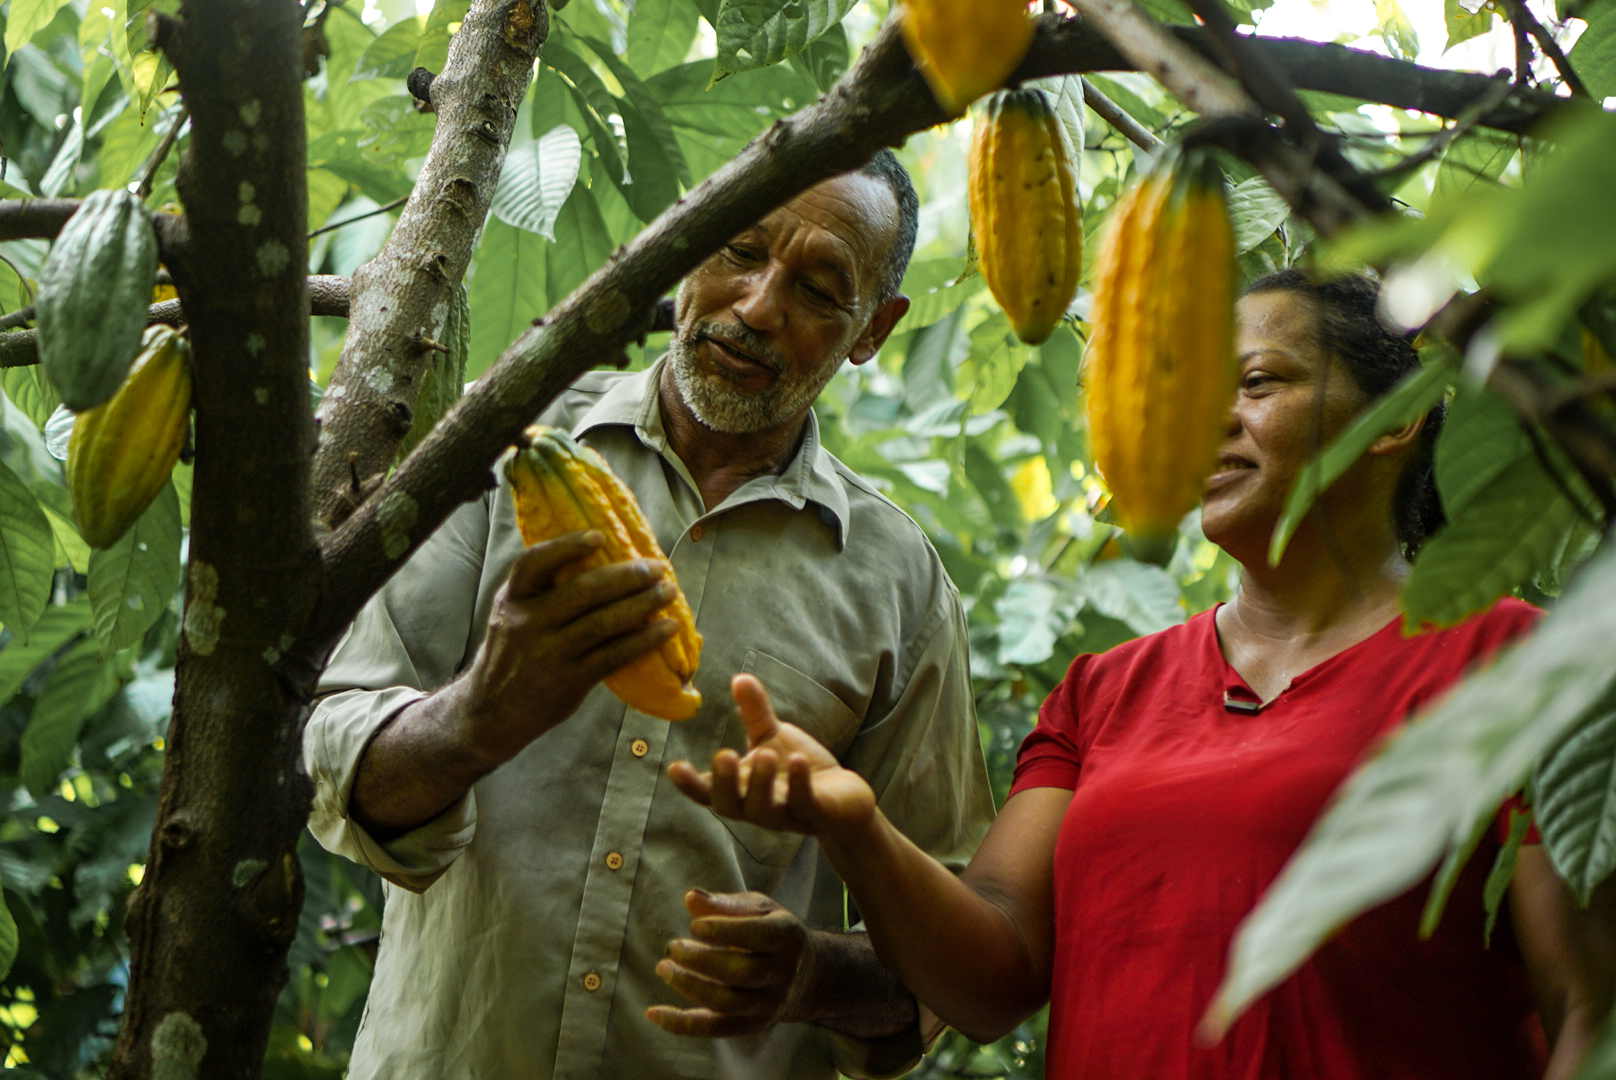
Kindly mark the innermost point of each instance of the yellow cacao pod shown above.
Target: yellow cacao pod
(561, 487)
(1025, 211)
(965, 48)
(1160, 369)
(122, 451)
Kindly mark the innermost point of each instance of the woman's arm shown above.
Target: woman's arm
(976, 949)
(1570, 954)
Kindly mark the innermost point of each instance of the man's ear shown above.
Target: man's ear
(1394, 442)
(880, 326)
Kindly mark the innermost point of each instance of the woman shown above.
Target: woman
(1169, 779)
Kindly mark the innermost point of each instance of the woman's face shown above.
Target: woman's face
(1294, 397)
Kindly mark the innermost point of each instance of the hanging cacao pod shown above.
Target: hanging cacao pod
(965, 48)
(1025, 212)
(1160, 367)
(93, 292)
(445, 377)
(561, 487)
(121, 452)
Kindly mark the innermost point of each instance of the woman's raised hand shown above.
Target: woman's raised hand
(786, 781)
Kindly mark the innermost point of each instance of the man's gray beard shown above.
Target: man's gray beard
(716, 404)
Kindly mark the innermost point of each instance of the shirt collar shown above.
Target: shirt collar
(810, 476)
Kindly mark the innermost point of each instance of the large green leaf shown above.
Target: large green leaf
(55, 628)
(391, 56)
(1463, 24)
(82, 683)
(25, 18)
(654, 156)
(1476, 158)
(1594, 55)
(27, 555)
(582, 244)
(596, 102)
(1427, 788)
(31, 391)
(8, 939)
(660, 33)
(1256, 210)
(1032, 613)
(996, 358)
(506, 293)
(757, 33)
(71, 550)
(1416, 393)
(149, 67)
(132, 582)
(1481, 437)
(433, 51)
(1144, 597)
(536, 180)
(1503, 536)
(1576, 801)
(342, 154)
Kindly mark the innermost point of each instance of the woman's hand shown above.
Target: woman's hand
(787, 781)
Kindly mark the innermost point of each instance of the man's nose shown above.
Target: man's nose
(762, 303)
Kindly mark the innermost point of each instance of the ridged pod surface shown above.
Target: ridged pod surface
(1160, 369)
(93, 293)
(1025, 211)
(121, 452)
(561, 487)
(965, 48)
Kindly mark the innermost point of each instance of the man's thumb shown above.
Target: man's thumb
(757, 715)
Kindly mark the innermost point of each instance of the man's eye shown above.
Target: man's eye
(741, 254)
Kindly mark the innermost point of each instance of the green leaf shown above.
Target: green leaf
(1426, 788)
(536, 180)
(58, 507)
(1503, 871)
(1481, 437)
(1600, 1064)
(391, 56)
(1576, 801)
(62, 176)
(8, 939)
(55, 628)
(1498, 540)
(150, 68)
(757, 33)
(31, 391)
(1144, 597)
(1477, 158)
(132, 582)
(27, 18)
(1032, 615)
(1396, 30)
(1416, 393)
(1464, 25)
(1256, 210)
(655, 162)
(507, 292)
(82, 683)
(996, 358)
(433, 51)
(1593, 56)
(582, 245)
(660, 33)
(27, 555)
(826, 60)
(595, 101)
(340, 153)
(1447, 876)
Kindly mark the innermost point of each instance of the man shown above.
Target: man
(539, 858)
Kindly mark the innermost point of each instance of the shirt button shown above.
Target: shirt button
(639, 747)
(695, 533)
(614, 861)
(591, 982)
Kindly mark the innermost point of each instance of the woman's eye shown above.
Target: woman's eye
(1255, 381)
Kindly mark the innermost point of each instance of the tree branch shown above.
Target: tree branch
(1118, 117)
(1523, 19)
(402, 297)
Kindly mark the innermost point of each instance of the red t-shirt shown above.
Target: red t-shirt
(1183, 811)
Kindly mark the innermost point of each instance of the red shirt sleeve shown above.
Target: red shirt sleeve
(1050, 755)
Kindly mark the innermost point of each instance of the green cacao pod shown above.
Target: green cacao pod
(1025, 212)
(445, 377)
(121, 452)
(93, 292)
(965, 48)
(560, 487)
(1160, 366)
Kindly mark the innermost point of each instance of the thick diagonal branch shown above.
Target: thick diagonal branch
(401, 298)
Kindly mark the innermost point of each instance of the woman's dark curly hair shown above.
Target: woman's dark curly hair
(1350, 327)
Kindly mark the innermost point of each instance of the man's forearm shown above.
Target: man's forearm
(415, 767)
(842, 986)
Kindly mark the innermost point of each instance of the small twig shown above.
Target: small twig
(1495, 96)
(161, 153)
(394, 205)
(1522, 17)
(1523, 53)
(20, 317)
(1117, 117)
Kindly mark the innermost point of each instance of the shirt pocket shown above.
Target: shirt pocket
(798, 700)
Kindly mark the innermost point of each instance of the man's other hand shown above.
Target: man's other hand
(552, 637)
(742, 966)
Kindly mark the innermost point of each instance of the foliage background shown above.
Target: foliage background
(979, 438)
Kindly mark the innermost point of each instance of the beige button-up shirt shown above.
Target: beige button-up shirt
(523, 925)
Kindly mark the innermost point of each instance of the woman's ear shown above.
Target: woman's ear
(1394, 442)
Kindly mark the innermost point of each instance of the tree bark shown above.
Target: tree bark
(212, 920)
(401, 298)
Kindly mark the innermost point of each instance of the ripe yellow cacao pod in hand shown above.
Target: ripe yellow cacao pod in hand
(965, 48)
(122, 451)
(561, 486)
(1160, 369)
(1025, 211)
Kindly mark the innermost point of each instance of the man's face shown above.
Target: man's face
(762, 325)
